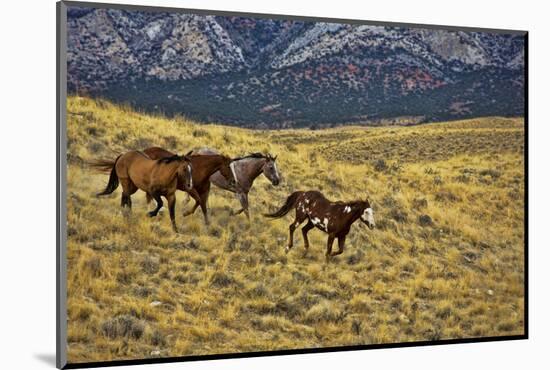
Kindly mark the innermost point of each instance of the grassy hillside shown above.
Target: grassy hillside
(446, 260)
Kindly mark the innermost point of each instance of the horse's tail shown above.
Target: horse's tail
(113, 178)
(289, 204)
(103, 165)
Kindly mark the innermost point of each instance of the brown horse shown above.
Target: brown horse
(334, 218)
(245, 170)
(158, 178)
(203, 167)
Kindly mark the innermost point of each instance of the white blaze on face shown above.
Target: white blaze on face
(276, 171)
(190, 176)
(368, 216)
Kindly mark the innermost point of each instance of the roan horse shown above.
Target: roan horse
(245, 170)
(203, 167)
(158, 178)
(334, 218)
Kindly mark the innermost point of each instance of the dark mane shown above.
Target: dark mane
(254, 155)
(171, 159)
(351, 203)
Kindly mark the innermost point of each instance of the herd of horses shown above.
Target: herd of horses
(159, 173)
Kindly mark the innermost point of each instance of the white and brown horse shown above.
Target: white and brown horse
(334, 218)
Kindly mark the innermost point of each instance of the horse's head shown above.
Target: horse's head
(185, 175)
(367, 216)
(270, 170)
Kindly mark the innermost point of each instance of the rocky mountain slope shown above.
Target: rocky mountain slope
(276, 73)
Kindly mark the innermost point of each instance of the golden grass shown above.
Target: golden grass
(446, 260)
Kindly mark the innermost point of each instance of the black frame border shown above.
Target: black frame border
(61, 268)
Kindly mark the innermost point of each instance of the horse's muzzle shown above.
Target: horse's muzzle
(275, 182)
(370, 225)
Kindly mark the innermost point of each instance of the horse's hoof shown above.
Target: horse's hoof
(151, 214)
(287, 249)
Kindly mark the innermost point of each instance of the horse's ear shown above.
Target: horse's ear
(189, 153)
(275, 158)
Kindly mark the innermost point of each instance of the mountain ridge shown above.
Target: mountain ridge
(280, 73)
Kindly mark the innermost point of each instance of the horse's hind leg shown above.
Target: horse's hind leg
(172, 208)
(125, 200)
(300, 217)
(305, 230)
(203, 204)
(128, 188)
(158, 199)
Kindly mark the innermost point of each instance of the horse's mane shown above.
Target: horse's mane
(171, 159)
(347, 203)
(142, 154)
(254, 155)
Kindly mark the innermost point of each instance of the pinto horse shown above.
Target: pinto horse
(203, 167)
(245, 170)
(158, 178)
(334, 218)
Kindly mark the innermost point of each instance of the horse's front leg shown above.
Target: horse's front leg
(330, 241)
(195, 195)
(243, 199)
(203, 204)
(158, 199)
(245, 205)
(172, 208)
(341, 242)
